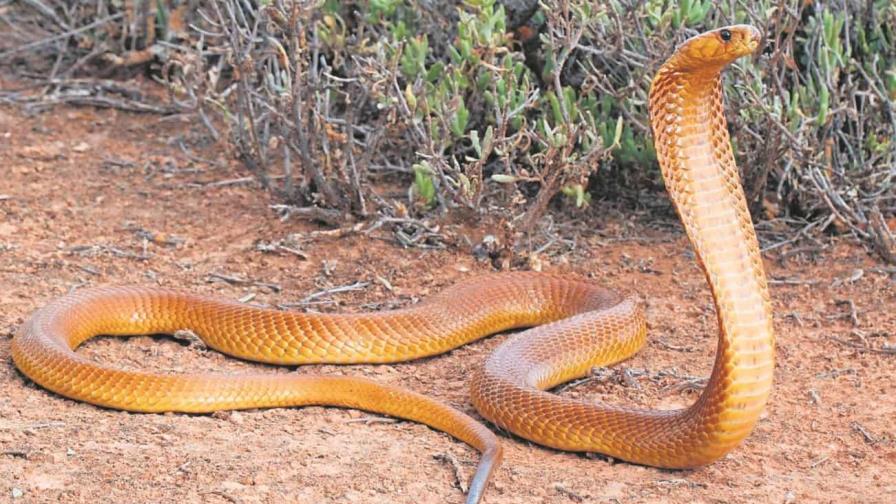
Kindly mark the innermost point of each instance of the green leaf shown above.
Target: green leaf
(823, 105)
(504, 179)
(413, 58)
(423, 183)
(489, 137)
(555, 107)
(474, 139)
(578, 194)
(460, 119)
(617, 136)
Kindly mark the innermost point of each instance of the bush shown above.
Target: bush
(335, 104)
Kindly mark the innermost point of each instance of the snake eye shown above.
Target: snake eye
(725, 34)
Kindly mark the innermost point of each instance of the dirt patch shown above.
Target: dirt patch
(93, 197)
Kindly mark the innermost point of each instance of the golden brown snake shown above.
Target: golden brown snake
(594, 327)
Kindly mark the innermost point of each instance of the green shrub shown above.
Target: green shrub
(336, 104)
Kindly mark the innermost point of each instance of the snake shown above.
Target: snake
(574, 324)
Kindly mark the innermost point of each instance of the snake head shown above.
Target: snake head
(713, 50)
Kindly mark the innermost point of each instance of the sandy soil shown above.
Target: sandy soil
(93, 197)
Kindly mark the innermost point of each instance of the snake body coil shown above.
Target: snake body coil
(590, 326)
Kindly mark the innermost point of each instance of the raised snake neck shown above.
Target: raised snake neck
(595, 326)
(697, 162)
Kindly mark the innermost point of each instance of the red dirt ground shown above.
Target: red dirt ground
(81, 189)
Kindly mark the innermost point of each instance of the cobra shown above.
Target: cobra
(583, 325)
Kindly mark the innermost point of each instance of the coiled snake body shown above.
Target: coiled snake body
(589, 326)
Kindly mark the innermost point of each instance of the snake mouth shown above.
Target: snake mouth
(754, 39)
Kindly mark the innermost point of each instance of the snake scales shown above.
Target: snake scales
(586, 325)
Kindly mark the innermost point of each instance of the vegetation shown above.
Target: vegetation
(484, 106)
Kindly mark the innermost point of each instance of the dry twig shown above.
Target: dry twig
(451, 460)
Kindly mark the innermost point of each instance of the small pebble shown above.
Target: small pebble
(17, 493)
